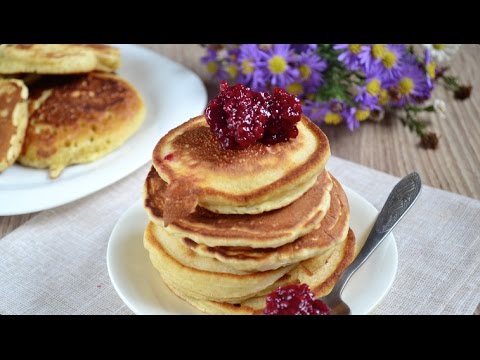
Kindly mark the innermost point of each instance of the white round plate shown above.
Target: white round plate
(172, 94)
(142, 289)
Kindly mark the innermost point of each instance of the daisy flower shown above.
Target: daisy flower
(354, 115)
(349, 55)
(371, 55)
(391, 63)
(311, 66)
(412, 85)
(213, 64)
(250, 67)
(330, 112)
(374, 93)
(442, 52)
(278, 62)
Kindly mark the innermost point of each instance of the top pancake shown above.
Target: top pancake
(250, 181)
(13, 120)
(57, 58)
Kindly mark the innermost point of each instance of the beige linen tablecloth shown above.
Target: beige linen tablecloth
(56, 262)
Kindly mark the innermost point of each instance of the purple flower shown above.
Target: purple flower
(311, 66)
(251, 66)
(391, 63)
(329, 112)
(373, 94)
(233, 50)
(354, 115)
(371, 56)
(278, 61)
(213, 64)
(412, 86)
(349, 55)
(301, 48)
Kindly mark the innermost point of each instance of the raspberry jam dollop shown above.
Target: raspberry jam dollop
(240, 117)
(285, 112)
(294, 300)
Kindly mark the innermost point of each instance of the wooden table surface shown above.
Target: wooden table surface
(388, 146)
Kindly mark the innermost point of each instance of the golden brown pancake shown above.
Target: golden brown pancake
(333, 229)
(250, 181)
(207, 285)
(57, 58)
(79, 118)
(319, 273)
(185, 255)
(268, 229)
(13, 120)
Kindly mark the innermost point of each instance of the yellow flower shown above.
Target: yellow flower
(295, 88)
(212, 67)
(405, 86)
(389, 59)
(383, 97)
(378, 51)
(277, 64)
(333, 118)
(373, 87)
(355, 48)
(247, 67)
(305, 71)
(232, 70)
(431, 69)
(362, 115)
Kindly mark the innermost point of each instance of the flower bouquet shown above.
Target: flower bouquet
(345, 83)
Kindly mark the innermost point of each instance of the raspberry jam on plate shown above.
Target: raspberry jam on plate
(294, 300)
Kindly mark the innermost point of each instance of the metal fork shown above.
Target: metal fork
(400, 200)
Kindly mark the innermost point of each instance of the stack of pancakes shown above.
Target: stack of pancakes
(228, 227)
(77, 108)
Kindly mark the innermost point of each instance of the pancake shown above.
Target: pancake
(57, 58)
(13, 120)
(269, 229)
(79, 118)
(332, 230)
(319, 273)
(185, 255)
(207, 285)
(250, 181)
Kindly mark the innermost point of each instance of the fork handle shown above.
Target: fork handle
(400, 200)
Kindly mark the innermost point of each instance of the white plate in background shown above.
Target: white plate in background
(172, 95)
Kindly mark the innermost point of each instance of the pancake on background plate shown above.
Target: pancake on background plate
(13, 120)
(57, 58)
(79, 118)
(249, 181)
